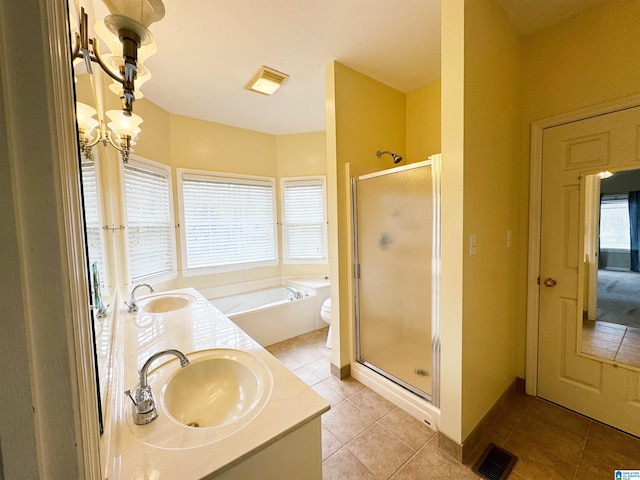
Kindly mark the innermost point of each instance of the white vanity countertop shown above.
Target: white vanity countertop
(199, 326)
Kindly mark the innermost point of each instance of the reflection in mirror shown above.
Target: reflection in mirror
(611, 306)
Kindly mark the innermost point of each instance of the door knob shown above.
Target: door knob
(550, 282)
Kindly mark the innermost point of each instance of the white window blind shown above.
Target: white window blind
(149, 229)
(228, 222)
(304, 226)
(614, 222)
(95, 240)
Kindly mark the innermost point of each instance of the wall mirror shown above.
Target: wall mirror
(610, 271)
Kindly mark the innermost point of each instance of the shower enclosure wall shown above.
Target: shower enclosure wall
(396, 229)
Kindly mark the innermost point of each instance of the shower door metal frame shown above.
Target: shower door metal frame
(434, 162)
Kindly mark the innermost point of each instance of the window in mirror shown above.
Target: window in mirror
(614, 222)
(93, 218)
(149, 220)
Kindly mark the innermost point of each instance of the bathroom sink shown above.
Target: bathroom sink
(164, 303)
(220, 387)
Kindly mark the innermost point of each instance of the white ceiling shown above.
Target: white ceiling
(209, 49)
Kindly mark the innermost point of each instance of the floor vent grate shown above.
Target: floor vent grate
(495, 463)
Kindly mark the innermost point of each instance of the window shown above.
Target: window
(149, 219)
(93, 219)
(614, 222)
(229, 221)
(304, 220)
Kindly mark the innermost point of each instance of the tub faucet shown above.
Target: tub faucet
(133, 307)
(144, 403)
(295, 293)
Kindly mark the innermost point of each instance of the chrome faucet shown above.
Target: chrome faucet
(144, 403)
(133, 307)
(295, 293)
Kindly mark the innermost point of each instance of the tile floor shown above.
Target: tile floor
(611, 341)
(366, 437)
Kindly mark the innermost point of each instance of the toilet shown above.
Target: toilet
(325, 314)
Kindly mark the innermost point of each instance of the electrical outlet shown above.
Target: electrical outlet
(509, 238)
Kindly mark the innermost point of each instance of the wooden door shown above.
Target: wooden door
(598, 388)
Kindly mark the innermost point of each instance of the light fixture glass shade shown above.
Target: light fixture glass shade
(265, 86)
(86, 122)
(266, 81)
(144, 12)
(122, 124)
(115, 46)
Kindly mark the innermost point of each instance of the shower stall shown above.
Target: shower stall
(396, 226)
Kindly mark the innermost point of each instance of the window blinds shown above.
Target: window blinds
(228, 221)
(304, 225)
(614, 222)
(92, 217)
(149, 226)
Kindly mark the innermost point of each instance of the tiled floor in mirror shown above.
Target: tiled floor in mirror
(366, 437)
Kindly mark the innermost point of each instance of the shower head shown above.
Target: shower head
(396, 158)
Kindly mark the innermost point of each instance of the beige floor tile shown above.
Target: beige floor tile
(600, 349)
(380, 451)
(628, 354)
(330, 444)
(419, 467)
(346, 421)
(608, 448)
(600, 346)
(371, 403)
(446, 465)
(284, 355)
(607, 327)
(345, 387)
(632, 335)
(320, 368)
(328, 393)
(537, 463)
(343, 465)
(306, 376)
(407, 428)
(550, 438)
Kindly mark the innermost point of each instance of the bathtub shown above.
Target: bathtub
(269, 315)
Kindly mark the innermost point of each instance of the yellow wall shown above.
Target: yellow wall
(369, 116)
(423, 122)
(452, 189)
(155, 139)
(492, 109)
(586, 60)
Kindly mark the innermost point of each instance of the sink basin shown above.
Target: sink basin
(221, 388)
(219, 393)
(165, 303)
(218, 388)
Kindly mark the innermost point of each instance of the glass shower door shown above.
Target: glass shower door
(394, 245)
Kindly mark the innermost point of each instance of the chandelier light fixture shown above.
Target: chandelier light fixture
(126, 34)
(121, 133)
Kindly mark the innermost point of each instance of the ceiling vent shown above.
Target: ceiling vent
(266, 81)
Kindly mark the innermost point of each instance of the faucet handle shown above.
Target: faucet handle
(132, 307)
(143, 408)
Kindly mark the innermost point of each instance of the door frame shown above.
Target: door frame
(535, 218)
